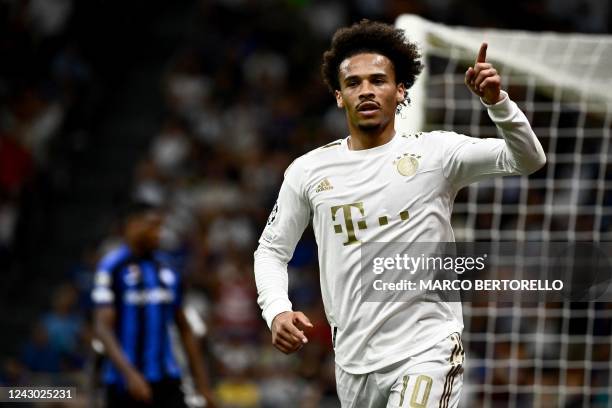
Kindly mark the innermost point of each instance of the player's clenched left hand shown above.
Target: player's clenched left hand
(483, 79)
(287, 331)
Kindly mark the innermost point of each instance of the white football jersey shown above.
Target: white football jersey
(402, 191)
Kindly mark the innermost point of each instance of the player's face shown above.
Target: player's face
(153, 222)
(368, 91)
(145, 229)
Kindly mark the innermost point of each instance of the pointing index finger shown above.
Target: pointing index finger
(482, 54)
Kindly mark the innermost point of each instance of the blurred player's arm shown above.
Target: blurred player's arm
(468, 160)
(104, 323)
(194, 357)
(285, 226)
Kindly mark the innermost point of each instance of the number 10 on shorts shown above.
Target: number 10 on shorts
(420, 391)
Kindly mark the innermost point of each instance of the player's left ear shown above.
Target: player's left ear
(339, 100)
(401, 93)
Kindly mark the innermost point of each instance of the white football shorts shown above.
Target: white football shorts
(431, 379)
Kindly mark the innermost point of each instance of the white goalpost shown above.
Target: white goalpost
(529, 354)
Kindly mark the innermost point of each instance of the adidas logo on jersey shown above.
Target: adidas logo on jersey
(324, 186)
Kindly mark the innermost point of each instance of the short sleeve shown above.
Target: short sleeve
(103, 292)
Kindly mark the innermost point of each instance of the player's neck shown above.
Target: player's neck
(137, 249)
(362, 139)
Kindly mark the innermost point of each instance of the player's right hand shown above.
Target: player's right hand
(288, 331)
(138, 387)
(483, 79)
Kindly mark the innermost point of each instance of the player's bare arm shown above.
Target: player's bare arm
(288, 331)
(483, 80)
(137, 385)
(194, 358)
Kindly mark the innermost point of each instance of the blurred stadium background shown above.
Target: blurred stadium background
(201, 105)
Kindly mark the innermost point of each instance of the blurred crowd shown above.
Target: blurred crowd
(44, 89)
(243, 98)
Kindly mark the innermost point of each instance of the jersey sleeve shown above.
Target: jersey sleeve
(103, 292)
(468, 159)
(285, 226)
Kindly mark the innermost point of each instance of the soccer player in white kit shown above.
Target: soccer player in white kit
(377, 185)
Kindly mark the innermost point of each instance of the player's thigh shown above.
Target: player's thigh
(435, 380)
(357, 391)
(433, 389)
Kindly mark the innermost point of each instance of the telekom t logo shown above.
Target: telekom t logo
(349, 224)
(348, 221)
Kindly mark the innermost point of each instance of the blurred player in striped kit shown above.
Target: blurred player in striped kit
(379, 186)
(138, 301)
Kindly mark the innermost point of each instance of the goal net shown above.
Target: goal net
(529, 354)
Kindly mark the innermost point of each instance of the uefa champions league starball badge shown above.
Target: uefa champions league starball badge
(407, 164)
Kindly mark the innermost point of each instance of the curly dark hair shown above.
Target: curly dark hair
(375, 37)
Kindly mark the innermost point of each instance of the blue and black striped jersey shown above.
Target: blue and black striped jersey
(145, 295)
